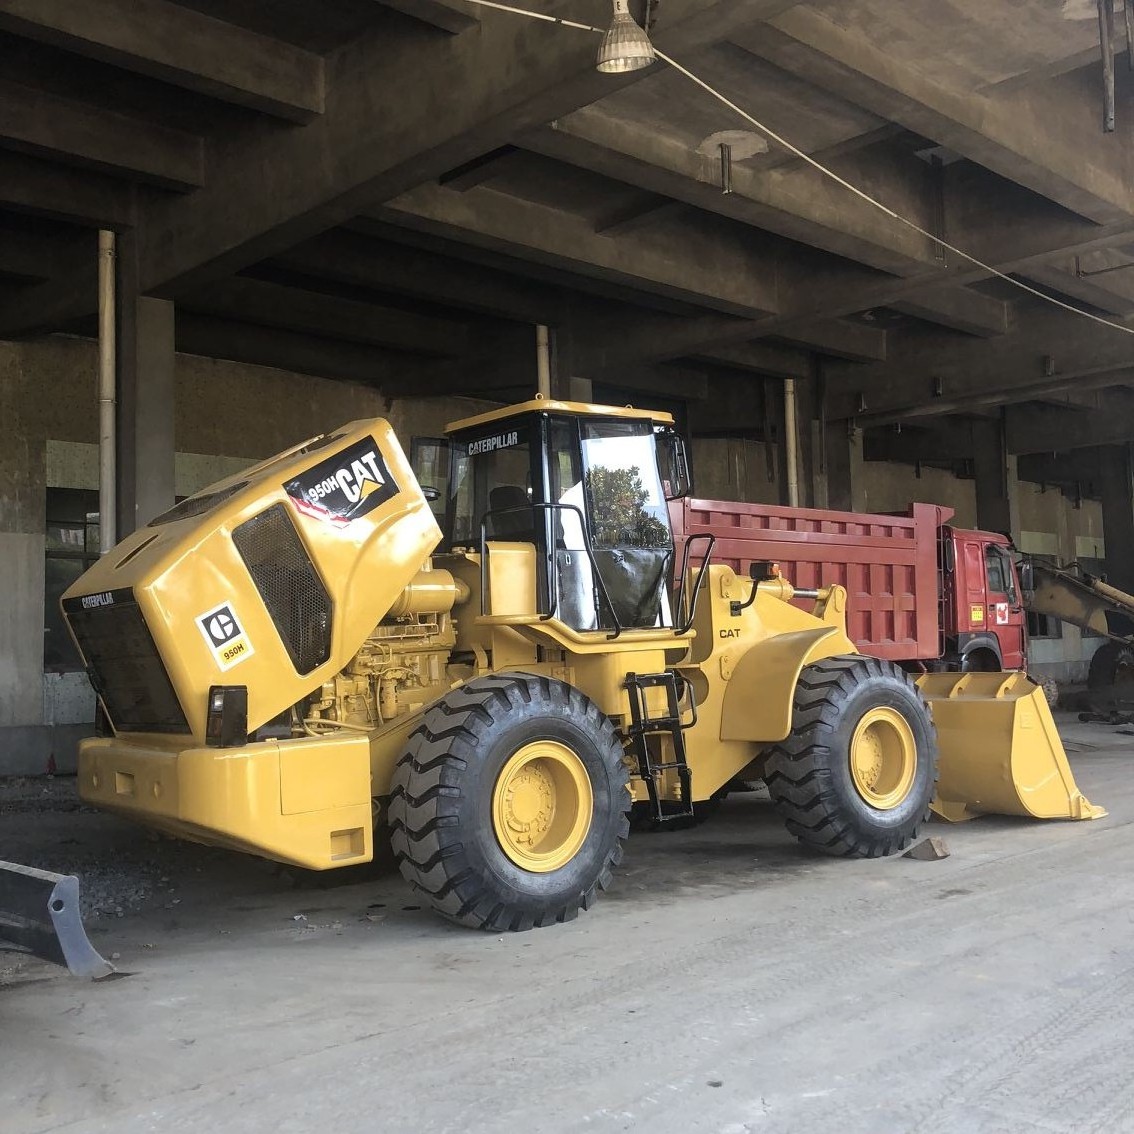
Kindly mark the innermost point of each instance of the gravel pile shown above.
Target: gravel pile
(114, 880)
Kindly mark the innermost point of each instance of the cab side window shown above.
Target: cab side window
(1001, 579)
(994, 566)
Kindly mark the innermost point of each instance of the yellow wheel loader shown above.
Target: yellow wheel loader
(298, 658)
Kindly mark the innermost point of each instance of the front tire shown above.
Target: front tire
(859, 770)
(510, 804)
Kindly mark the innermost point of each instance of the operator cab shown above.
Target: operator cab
(583, 485)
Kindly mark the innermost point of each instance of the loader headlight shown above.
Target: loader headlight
(226, 725)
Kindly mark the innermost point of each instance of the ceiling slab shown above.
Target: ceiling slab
(178, 45)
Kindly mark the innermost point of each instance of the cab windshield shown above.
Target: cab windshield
(561, 483)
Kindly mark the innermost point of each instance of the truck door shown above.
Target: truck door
(972, 617)
(1005, 610)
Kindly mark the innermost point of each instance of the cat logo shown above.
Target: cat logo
(344, 487)
(730, 633)
(225, 636)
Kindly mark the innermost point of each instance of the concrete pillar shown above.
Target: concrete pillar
(146, 443)
(841, 483)
(809, 442)
(1117, 485)
(154, 443)
(997, 483)
(579, 390)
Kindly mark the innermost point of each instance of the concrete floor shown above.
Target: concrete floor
(731, 982)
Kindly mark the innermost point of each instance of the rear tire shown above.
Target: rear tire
(859, 770)
(1110, 679)
(509, 807)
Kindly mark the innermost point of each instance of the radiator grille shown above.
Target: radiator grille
(126, 669)
(288, 584)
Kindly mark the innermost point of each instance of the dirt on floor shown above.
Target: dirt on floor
(729, 982)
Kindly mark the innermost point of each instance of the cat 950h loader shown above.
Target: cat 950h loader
(291, 666)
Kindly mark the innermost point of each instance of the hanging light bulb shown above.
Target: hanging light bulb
(625, 47)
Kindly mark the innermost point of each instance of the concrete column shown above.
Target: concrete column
(809, 442)
(997, 484)
(1117, 484)
(146, 443)
(843, 480)
(154, 443)
(580, 390)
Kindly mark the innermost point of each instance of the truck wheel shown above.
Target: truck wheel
(1050, 689)
(1110, 679)
(510, 804)
(859, 770)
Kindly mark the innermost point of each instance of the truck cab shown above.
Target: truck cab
(983, 621)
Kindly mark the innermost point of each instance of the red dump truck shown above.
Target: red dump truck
(920, 591)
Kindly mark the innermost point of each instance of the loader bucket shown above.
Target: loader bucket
(39, 914)
(1000, 750)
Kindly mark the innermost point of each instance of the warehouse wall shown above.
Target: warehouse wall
(733, 469)
(1052, 525)
(227, 415)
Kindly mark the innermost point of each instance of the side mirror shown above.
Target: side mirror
(430, 494)
(673, 464)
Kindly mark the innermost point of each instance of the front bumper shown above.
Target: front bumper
(305, 802)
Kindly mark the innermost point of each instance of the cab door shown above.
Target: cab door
(972, 617)
(1005, 617)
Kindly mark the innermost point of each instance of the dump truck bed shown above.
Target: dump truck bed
(887, 563)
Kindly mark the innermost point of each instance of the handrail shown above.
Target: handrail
(681, 597)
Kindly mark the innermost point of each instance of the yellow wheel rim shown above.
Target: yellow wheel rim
(883, 758)
(542, 806)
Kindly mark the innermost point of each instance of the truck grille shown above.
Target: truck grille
(125, 667)
(288, 584)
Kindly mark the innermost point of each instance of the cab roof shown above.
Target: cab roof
(575, 409)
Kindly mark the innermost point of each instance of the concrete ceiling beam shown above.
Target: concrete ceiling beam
(38, 255)
(701, 265)
(350, 258)
(1046, 429)
(1047, 140)
(837, 338)
(799, 203)
(934, 373)
(453, 18)
(83, 134)
(289, 350)
(648, 209)
(400, 114)
(274, 305)
(960, 309)
(487, 167)
(1098, 292)
(940, 442)
(178, 45)
(47, 306)
(1079, 468)
(42, 188)
(766, 359)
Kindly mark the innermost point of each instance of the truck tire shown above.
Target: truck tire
(859, 770)
(510, 804)
(1110, 679)
(1050, 689)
